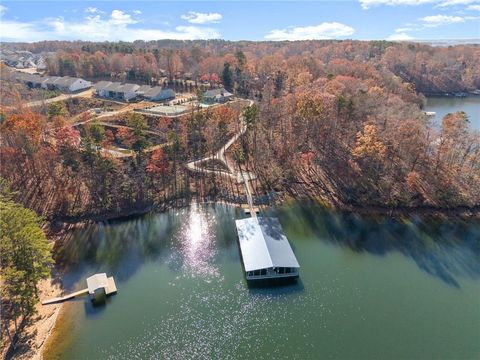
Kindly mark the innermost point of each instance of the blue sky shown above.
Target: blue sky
(240, 20)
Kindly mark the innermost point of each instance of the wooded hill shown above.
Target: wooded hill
(337, 120)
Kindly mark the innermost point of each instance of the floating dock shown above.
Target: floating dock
(97, 285)
(265, 249)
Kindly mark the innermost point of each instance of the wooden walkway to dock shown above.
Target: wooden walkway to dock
(66, 297)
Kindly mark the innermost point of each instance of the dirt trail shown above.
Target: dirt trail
(87, 94)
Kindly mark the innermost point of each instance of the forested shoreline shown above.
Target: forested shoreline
(340, 121)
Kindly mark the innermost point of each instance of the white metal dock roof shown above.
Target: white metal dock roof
(97, 281)
(263, 244)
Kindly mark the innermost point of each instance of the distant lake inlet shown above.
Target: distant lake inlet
(443, 105)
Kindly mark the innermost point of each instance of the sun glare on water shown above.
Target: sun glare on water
(197, 244)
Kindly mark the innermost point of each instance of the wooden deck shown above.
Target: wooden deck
(66, 297)
(111, 287)
(246, 208)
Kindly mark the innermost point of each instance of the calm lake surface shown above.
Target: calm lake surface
(444, 105)
(368, 289)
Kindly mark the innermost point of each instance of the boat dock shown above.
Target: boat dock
(265, 249)
(266, 252)
(97, 285)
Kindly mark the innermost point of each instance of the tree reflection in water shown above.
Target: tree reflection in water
(190, 239)
(448, 250)
(184, 238)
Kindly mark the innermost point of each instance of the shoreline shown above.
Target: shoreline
(39, 328)
(62, 226)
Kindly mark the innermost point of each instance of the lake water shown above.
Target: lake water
(368, 289)
(444, 105)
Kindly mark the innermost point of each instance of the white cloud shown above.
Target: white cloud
(404, 29)
(118, 17)
(326, 30)
(137, 12)
(91, 10)
(201, 18)
(367, 4)
(3, 9)
(474, 7)
(400, 36)
(439, 20)
(446, 3)
(428, 22)
(17, 31)
(117, 26)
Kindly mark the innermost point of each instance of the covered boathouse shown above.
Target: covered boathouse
(265, 250)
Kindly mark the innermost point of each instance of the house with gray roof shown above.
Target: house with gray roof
(128, 91)
(157, 93)
(116, 90)
(31, 80)
(49, 82)
(72, 84)
(65, 83)
(100, 88)
(143, 89)
(217, 96)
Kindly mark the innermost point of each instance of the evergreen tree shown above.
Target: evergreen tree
(25, 257)
(227, 77)
(139, 125)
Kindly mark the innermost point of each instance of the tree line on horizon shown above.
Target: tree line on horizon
(431, 69)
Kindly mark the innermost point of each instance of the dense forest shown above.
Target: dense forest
(340, 121)
(430, 69)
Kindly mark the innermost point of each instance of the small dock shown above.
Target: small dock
(96, 284)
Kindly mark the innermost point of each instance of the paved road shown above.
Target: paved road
(87, 93)
(93, 117)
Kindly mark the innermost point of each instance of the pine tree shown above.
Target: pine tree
(25, 257)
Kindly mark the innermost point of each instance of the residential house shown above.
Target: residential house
(116, 90)
(66, 83)
(158, 94)
(49, 82)
(72, 84)
(100, 88)
(143, 89)
(128, 91)
(217, 95)
(31, 80)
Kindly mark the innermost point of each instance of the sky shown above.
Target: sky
(31, 21)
